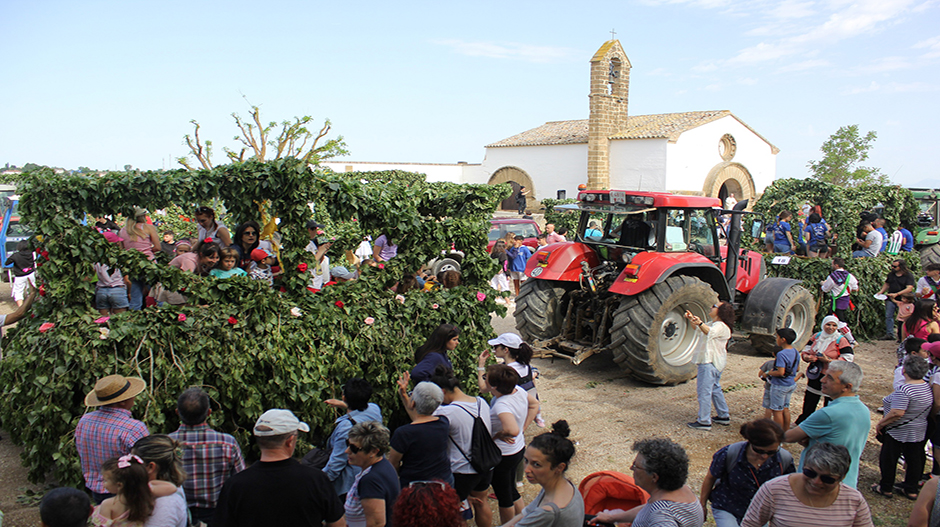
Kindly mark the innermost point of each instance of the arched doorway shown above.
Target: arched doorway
(729, 178)
(517, 178)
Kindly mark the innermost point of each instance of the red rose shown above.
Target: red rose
(42, 289)
(302, 267)
(283, 289)
(232, 320)
(45, 254)
(340, 304)
(207, 240)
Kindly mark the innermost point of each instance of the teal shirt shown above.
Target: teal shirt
(846, 421)
(235, 271)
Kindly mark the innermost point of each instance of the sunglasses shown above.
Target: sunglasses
(423, 484)
(353, 448)
(825, 478)
(762, 452)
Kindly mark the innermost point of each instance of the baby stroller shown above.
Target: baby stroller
(609, 490)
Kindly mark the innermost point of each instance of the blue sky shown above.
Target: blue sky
(105, 83)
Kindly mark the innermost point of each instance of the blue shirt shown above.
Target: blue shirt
(817, 233)
(884, 236)
(518, 258)
(846, 421)
(424, 369)
(338, 469)
(593, 233)
(735, 489)
(780, 233)
(908, 243)
(788, 359)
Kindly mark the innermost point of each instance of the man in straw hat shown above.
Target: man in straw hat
(278, 490)
(110, 430)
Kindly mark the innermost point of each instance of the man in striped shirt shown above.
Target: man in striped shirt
(210, 457)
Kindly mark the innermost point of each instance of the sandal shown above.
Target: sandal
(876, 488)
(902, 491)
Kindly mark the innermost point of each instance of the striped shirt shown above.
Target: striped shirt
(915, 400)
(100, 435)
(664, 513)
(776, 503)
(209, 459)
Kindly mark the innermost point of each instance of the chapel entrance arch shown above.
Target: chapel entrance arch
(517, 178)
(729, 178)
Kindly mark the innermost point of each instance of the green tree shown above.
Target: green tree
(285, 139)
(842, 153)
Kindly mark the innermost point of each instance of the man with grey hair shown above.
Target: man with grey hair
(210, 457)
(420, 450)
(278, 490)
(845, 421)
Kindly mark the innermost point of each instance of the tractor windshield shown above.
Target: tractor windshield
(690, 230)
(626, 228)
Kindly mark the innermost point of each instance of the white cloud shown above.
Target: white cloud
(894, 87)
(793, 9)
(932, 45)
(804, 66)
(874, 86)
(508, 50)
(705, 67)
(747, 81)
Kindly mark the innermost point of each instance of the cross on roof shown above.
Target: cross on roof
(613, 34)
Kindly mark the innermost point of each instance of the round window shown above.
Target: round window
(726, 147)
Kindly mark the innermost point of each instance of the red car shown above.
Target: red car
(526, 228)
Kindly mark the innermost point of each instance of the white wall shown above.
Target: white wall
(454, 173)
(690, 159)
(552, 168)
(638, 164)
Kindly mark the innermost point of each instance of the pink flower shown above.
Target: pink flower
(481, 296)
(104, 333)
(181, 317)
(354, 219)
(381, 266)
(369, 320)
(102, 320)
(46, 326)
(302, 267)
(434, 306)
(295, 311)
(400, 299)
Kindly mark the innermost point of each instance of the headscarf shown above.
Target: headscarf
(825, 339)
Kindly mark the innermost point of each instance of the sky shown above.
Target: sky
(105, 83)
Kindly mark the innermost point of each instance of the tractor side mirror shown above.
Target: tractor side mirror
(757, 229)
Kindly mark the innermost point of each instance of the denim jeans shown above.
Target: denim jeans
(891, 311)
(708, 387)
(724, 518)
(135, 296)
(860, 254)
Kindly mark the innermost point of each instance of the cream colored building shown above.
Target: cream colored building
(712, 153)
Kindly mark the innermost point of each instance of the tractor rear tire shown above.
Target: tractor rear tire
(929, 254)
(794, 308)
(540, 308)
(651, 337)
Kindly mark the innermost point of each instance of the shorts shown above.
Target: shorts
(504, 481)
(466, 483)
(517, 275)
(782, 248)
(819, 247)
(777, 397)
(111, 298)
(19, 286)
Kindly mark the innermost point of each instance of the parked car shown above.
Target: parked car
(526, 228)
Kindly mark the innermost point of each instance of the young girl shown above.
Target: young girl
(23, 262)
(133, 501)
(518, 355)
(227, 265)
(905, 304)
(500, 282)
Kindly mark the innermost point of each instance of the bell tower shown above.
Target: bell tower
(610, 87)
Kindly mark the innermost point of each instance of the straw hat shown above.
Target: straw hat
(114, 389)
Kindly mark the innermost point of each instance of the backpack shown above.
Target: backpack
(484, 454)
(318, 457)
(786, 458)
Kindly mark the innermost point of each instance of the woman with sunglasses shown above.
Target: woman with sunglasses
(210, 228)
(373, 493)
(814, 497)
(730, 484)
(246, 240)
(711, 360)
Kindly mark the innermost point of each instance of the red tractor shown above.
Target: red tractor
(638, 262)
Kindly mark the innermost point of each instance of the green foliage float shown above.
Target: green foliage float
(249, 346)
(560, 218)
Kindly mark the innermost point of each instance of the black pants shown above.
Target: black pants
(914, 457)
(811, 400)
(842, 315)
(504, 479)
(200, 514)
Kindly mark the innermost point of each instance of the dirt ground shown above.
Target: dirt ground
(607, 412)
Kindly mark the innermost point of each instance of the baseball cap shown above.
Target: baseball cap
(260, 254)
(932, 348)
(276, 422)
(312, 224)
(510, 340)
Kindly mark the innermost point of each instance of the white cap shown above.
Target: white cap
(277, 422)
(510, 340)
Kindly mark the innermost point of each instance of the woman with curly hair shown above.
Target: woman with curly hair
(428, 504)
(370, 499)
(711, 360)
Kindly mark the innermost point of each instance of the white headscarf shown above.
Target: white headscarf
(825, 339)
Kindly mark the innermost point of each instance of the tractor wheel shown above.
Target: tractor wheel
(788, 306)
(651, 337)
(540, 309)
(929, 254)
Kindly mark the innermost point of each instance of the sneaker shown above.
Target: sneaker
(699, 426)
(540, 422)
(723, 421)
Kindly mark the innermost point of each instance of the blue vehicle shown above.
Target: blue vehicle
(12, 231)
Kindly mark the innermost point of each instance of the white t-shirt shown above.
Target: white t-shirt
(876, 240)
(516, 404)
(921, 285)
(319, 274)
(169, 511)
(715, 348)
(461, 430)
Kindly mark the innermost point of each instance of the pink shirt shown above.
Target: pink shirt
(142, 243)
(555, 238)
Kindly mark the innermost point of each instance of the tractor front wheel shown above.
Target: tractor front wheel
(540, 308)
